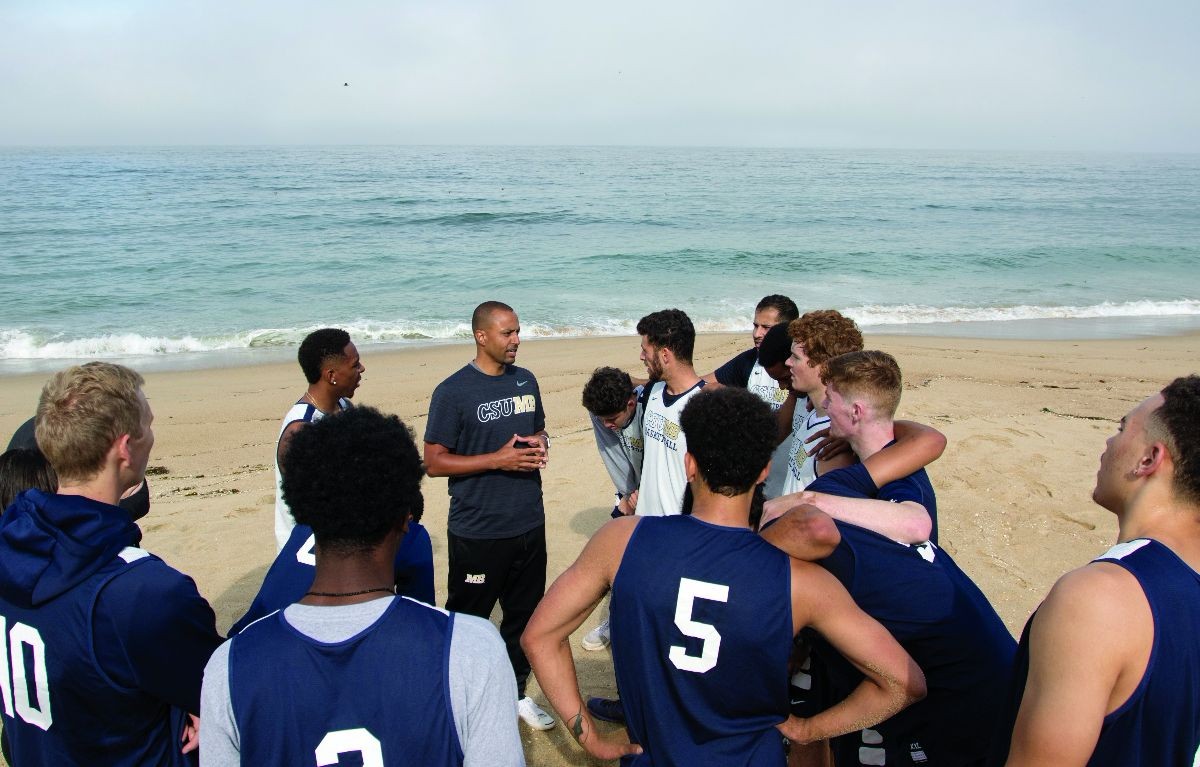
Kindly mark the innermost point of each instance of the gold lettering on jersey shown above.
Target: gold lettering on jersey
(503, 408)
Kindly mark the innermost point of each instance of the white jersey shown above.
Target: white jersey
(765, 387)
(802, 468)
(663, 479)
(301, 411)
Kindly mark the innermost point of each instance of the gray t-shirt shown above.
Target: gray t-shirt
(483, 692)
(472, 413)
(622, 450)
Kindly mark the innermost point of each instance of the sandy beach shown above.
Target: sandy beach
(1026, 422)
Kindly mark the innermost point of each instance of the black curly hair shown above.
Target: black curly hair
(1177, 423)
(731, 435)
(669, 329)
(319, 346)
(607, 391)
(352, 477)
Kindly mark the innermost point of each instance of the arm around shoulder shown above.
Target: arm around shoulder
(804, 532)
(916, 446)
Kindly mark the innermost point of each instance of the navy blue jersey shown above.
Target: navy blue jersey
(291, 574)
(701, 630)
(293, 696)
(102, 645)
(949, 628)
(854, 481)
(736, 372)
(1160, 723)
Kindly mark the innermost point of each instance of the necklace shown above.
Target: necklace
(309, 397)
(390, 589)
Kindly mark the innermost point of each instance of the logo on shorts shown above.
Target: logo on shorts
(478, 578)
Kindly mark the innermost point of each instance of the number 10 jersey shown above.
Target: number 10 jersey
(701, 630)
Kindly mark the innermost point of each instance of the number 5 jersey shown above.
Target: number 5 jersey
(701, 631)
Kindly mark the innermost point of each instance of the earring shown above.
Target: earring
(333, 381)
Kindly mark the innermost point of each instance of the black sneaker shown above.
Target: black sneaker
(607, 709)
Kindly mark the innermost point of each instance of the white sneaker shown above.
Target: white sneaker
(532, 714)
(596, 639)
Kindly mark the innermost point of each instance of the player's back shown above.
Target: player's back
(946, 623)
(701, 631)
(384, 692)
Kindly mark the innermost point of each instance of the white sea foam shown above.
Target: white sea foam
(910, 314)
(22, 344)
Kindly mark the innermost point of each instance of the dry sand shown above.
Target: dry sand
(1026, 422)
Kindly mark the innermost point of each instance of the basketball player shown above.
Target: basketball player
(745, 371)
(917, 592)
(1108, 670)
(703, 615)
(333, 370)
(351, 671)
(102, 645)
(668, 339)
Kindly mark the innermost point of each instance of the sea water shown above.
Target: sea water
(185, 254)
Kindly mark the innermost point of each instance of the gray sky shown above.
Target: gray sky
(1019, 74)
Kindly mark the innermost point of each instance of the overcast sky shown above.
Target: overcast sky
(1011, 74)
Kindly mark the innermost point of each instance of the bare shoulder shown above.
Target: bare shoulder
(607, 546)
(812, 587)
(1097, 588)
(1080, 612)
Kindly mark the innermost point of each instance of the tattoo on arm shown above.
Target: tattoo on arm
(577, 724)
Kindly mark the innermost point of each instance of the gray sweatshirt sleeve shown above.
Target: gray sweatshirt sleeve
(220, 745)
(624, 478)
(483, 695)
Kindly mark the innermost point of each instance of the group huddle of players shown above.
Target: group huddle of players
(777, 589)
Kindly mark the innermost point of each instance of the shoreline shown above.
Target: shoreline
(1032, 330)
(1026, 422)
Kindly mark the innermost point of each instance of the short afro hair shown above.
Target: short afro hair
(785, 307)
(776, 347)
(669, 329)
(318, 347)
(607, 392)
(825, 334)
(1177, 423)
(731, 435)
(352, 477)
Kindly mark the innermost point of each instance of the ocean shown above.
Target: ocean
(186, 256)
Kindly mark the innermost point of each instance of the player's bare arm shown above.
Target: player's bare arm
(903, 521)
(440, 461)
(891, 679)
(546, 640)
(285, 440)
(916, 446)
(1089, 645)
(805, 533)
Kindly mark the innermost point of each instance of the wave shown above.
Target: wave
(912, 314)
(23, 344)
